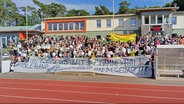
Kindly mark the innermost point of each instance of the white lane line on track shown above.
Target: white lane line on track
(95, 93)
(39, 98)
(116, 88)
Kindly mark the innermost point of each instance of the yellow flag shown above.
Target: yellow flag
(122, 37)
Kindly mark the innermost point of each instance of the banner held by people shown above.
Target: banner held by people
(127, 66)
(123, 37)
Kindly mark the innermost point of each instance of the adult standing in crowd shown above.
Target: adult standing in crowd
(79, 46)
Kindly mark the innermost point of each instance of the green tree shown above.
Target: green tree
(83, 12)
(123, 9)
(154, 6)
(133, 10)
(56, 10)
(105, 10)
(21, 21)
(98, 11)
(50, 10)
(42, 9)
(33, 17)
(168, 4)
(102, 10)
(74, 12)
(180, 4)
(8, 13)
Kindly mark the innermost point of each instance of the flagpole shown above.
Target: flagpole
(1, 56)
(26, 25)
(113, 14)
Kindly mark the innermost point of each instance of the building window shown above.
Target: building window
(81, 25)
(121, 22)
(146, 20)
(66, 26)
(108, 22)
(98, 23)
(71, 26)
(50, 26)
(77, 25)
(60, 26)
(159, 20)
(55, 26)
(133, 22)
(174, 20)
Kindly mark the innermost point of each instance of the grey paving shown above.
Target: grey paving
(166, 81)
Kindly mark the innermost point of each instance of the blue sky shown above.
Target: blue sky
(89, 5)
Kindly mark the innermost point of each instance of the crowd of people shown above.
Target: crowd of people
(79, 46)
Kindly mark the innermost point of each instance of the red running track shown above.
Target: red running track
(52, 91)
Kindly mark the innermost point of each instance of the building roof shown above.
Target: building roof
(14, 28)
(11, 29)
(29, 31)
(94, 16)
(178, 13)
(173, 9)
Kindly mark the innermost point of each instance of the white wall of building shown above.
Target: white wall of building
(92, 23)
(179, 20)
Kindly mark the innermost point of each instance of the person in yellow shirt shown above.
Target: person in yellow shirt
(116, 56)
(133, 51)
(93, 58)
(93, 55)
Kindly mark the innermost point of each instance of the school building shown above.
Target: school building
(155, 21)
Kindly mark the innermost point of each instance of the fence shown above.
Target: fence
(0, 59)
(170, 60)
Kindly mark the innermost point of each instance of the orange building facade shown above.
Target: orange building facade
(65, 26)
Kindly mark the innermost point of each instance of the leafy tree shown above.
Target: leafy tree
(133, 10)
(50, 10)
(123, 9)
(105, 10)
(8, 13)
(102, 10)
(98, 11)
(32, 13)
(21, 21)
(180, 4)
(56, 10)
(42, 8)
(154, 7)
(168, 4)
(74, 12)
(83, 12)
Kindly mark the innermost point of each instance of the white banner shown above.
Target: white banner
(128, 66)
